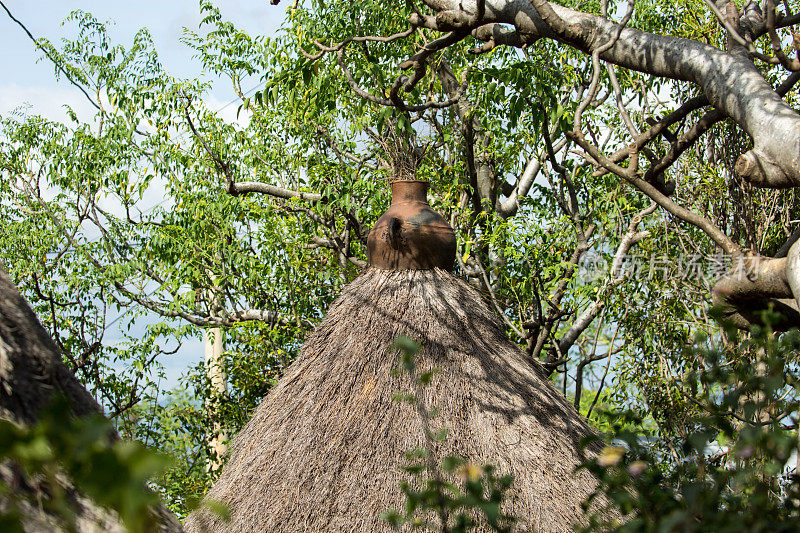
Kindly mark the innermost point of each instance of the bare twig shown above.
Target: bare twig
(388, 102)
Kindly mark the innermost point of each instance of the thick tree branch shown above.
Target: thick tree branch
(754, 285)
(729, 80)
(237, 188)
(700, 127)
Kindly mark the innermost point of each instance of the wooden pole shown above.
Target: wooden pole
(218, 381)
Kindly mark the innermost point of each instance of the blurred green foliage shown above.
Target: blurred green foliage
(48, 461)
(734, 466)
(118, 227)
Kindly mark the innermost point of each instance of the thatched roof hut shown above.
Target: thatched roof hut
(325, 449)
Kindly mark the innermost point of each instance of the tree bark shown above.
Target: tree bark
(754, 285)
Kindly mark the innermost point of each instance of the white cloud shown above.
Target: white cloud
(49, 102)
(227, 111)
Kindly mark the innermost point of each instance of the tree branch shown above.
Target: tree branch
(631, 237)
(237, 188)
(730, 81)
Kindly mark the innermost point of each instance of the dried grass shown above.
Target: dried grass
(399, 151)
(324, 450)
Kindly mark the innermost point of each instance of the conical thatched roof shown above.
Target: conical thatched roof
(325, 449)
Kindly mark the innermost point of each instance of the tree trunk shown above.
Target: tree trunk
(215, 371)
(729, 80)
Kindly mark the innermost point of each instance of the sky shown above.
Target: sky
(29, 80)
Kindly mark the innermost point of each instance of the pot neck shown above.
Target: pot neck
(407, 191)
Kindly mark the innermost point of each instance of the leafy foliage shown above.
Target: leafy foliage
(122, 231)
(731, 470)
(60, 452)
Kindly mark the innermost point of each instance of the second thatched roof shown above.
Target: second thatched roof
(325, 449)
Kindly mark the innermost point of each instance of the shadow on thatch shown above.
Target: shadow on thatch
(324, 450)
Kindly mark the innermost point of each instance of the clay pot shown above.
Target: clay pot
(411, 235)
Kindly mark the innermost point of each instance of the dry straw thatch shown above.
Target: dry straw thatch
(325, 449)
